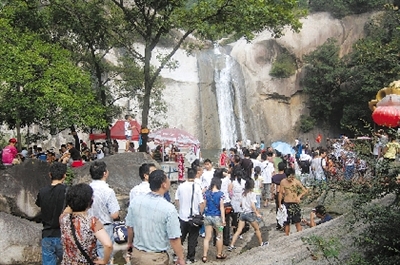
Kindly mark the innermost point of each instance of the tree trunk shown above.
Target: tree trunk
(18, 129)
(146, 98)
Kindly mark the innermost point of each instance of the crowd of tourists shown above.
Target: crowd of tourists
(216, 203)
(73, 154)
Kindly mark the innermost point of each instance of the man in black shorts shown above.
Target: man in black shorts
(291, 190)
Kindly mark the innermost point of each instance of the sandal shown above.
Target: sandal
(204, 259)
(221, 256)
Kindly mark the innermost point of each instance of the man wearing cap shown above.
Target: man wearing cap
(9, 152)
(319, 212)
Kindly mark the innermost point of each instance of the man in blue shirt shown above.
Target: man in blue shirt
(319, 212)
(153, 225)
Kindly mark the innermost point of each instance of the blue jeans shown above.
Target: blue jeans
(349, 172)
(258, 203)
(99, 246)
(51, 250)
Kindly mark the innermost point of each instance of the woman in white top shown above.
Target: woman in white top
(249, 214)
(236, 188)
(318, 165)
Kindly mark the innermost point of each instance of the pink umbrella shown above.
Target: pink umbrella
(174, 136)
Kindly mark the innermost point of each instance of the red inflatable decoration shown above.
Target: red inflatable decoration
(388, 116)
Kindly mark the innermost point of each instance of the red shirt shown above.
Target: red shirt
(222, 160)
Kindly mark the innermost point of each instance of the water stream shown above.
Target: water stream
(229, 100)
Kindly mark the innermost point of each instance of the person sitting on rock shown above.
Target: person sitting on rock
(9, 152)
(41, 155)
(75, 155)
(157, 155)
(319, 212)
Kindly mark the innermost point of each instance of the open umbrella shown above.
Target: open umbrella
(283, 147)
(174, 136)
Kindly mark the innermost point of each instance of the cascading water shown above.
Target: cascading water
(227, 95)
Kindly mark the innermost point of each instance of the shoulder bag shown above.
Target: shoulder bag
(196, 220)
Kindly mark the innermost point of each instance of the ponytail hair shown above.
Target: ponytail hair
(238, 175)
(248, 186)
(217, 182)
(257, 172)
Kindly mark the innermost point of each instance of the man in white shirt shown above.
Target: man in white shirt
(144, 187)
(267, 170)
(105, 204)
(208, 174)
(189, 199)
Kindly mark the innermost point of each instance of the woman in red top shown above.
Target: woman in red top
(223, 158)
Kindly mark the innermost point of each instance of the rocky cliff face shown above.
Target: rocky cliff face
(225, 93)
(263, 107)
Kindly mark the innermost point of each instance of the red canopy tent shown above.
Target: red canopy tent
(118, 131)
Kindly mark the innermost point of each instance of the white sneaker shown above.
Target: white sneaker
(230, 248)
(240, 237)
(174, 257)
(188, 261)
(203, 235)
(264, 244)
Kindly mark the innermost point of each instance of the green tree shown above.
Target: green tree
(39, 84)
(100, 33)
(341, 8)
(325, 74)
(373, 64)
(85, 29)
(332, 82)
(153, 21)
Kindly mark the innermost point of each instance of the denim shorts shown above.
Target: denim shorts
(248, 217)
(128, 137)
(214, 221)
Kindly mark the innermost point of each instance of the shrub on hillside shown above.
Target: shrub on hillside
(284, 66)
(341, 8)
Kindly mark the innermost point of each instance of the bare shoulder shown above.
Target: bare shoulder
(284, 182)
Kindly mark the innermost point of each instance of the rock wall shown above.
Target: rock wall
(272, 106)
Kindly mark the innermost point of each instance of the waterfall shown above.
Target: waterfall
(228, 93)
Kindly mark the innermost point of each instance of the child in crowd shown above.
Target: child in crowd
(257, 185)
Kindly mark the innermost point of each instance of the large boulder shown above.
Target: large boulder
(123, 168)
(19, 187)
(19, 240)
(21, 183)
